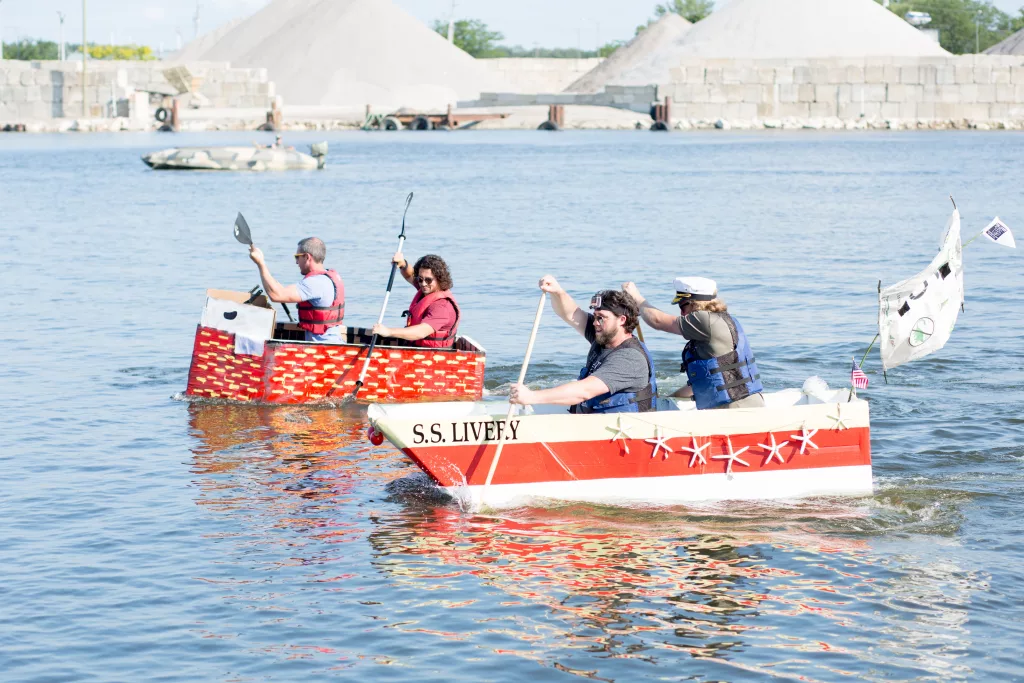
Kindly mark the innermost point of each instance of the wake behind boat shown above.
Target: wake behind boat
(796, 446)
(240, 158)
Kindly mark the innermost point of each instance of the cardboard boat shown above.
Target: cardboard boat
(241, 158)
(242, 354)
(795, 447)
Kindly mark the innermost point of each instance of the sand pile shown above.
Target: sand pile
(350, 53)
(193, 49)
(649, 41)
(777, 29)
(1012, 45)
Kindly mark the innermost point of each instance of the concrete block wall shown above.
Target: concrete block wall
(634, 98)
(539, 75)
(33, 91)
(976, 88)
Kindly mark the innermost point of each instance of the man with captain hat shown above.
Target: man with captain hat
(719, 365)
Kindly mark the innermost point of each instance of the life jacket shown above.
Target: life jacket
(318, 319)
(724, 379)
(439, 339)
(623, 401)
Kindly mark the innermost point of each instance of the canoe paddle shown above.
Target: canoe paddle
(522, 378)
(383, 308)
(243, 235)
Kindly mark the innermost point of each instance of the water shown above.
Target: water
(146, 538)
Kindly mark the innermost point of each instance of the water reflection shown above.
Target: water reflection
(721, 592)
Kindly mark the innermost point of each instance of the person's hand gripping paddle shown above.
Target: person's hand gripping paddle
(243, 235)
(383, 308)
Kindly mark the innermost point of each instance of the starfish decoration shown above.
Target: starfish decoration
(697, 452)
(840, 423)
(621, 433)
(732, 456)
(773, 450)
(805, 438)
(659, 442)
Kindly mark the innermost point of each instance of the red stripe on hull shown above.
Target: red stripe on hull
(527, 463)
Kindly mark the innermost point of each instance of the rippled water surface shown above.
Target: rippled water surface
(145, 537)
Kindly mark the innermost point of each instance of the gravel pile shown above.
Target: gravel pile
(779, 29)
(349, 53)
(650, 41)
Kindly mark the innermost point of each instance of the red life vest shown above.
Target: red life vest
(440, 339)
(318, 319)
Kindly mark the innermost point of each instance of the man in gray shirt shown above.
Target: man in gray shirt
(619, 374)
(718, 361)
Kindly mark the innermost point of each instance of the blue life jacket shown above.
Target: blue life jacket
(724, 379)
(622, 401)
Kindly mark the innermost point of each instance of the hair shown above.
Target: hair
(716, 305)
(616, 299)
(436, 265)
(315, 247)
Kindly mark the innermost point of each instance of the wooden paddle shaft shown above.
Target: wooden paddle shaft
(522, 377)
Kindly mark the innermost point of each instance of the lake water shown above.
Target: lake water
(148, 538)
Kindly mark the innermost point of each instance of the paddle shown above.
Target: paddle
(243, 235)
(384, 307)
(522, 378)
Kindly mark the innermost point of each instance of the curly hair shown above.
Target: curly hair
(713, 306)
(618, 302)
(436, 265)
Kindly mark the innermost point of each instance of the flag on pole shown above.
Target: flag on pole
(916, 316)
(998, 232)
(857, 377)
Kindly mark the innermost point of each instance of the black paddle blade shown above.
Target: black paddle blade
(408, 201)
(242, 230)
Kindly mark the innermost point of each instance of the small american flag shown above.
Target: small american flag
(857, 377)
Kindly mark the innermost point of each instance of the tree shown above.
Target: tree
(472, 36)
(691, 10)
(964, 25)
(31, 50)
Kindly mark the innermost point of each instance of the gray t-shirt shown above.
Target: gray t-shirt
(709, 332)
(625, 370)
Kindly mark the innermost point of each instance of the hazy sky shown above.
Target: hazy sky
(547, 23)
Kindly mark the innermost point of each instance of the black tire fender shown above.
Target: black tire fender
(548, 125)
(420, 123)
(659, 125)
(162, 114)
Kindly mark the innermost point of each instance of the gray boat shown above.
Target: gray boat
(252, 158)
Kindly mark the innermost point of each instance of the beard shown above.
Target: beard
(605, 336)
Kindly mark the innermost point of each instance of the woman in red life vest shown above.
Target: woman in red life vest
(320, 295)
(433, 315)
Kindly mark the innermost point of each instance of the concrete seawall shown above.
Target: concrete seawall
(41, 90)
(539, 75)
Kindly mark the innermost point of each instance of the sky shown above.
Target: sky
(163, 23)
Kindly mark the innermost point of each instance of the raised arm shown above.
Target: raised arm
(659, 320)
(404, 267)
(276, 292)
(564, 305)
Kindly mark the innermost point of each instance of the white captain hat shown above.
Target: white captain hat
(694, 289)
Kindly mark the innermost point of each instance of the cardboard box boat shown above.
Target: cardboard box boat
(241, 353)
(792, 448)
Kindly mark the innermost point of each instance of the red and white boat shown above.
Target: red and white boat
(242, 354)
(794, 447)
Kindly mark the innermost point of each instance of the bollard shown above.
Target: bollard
(174, 115)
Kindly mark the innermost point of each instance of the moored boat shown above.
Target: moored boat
(242, 354)
(794, 447)
(240, 158)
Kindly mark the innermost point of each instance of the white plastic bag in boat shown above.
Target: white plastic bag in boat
(916, 316)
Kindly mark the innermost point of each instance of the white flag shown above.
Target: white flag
(916, 316)
(999, 233)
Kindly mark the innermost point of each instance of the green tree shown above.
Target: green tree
(472, 36)
(31, 50)
(964, 25)
(691, 10)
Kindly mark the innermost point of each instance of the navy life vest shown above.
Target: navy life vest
(318, 319)
(623, 401)
(724, 379)
(440, 339)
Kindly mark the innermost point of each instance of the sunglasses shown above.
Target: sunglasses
(424, 280)
(298, 255)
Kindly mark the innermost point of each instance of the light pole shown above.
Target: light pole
(451, 24)
(1, 38)
(60, 52)
(977, 32)
(85, 62)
